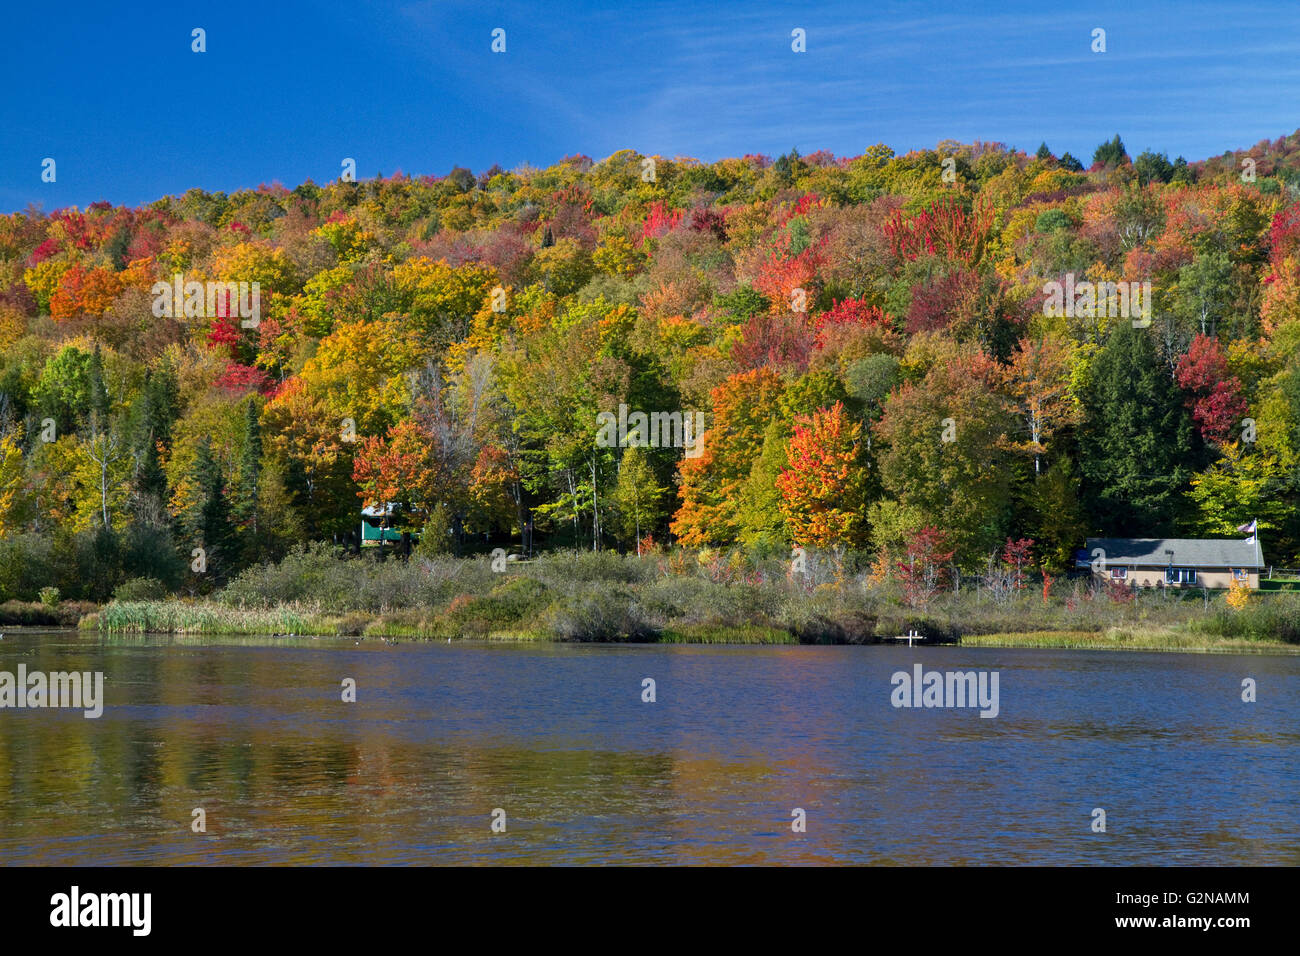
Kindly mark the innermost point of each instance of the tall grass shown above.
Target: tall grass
(176, 617)
(1156, 639)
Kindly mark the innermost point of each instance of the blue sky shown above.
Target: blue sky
(285, 91)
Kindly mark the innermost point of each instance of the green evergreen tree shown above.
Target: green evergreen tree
(1110, 153)
(153, 417)
(1136, 446)
(208, 522)
(1153, 167)
(789, 166)
(1069, 162)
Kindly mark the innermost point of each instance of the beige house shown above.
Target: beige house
(1175, 562)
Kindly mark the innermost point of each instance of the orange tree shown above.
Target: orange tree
(823, 491)
(712, 484)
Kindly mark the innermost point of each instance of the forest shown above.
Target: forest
(871, 343)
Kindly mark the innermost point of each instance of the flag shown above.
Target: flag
(1248, 528)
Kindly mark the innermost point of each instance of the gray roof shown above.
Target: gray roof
(1187, 552)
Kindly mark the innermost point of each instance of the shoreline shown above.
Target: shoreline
(1124, 639)
(288, 622)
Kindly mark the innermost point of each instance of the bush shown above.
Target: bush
(32, 614)
(830, 615)
(512, 602)
(562, 569)
(694, 600)
(140, 589)
(318, 576)
(149, 551)
(515, 599)
(1271, 616)
(50, 596)
(1051, 220)
(600, 614)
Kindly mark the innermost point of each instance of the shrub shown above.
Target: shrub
(601, 614)
(140, 589)
(1051, 220)
(32, 614)
(509, 603)
(1271, 616)
(559, 570)
(830, 614)
(50, 596)
(319, 576)
(693, 600)
(435, 536)
(1238, 595)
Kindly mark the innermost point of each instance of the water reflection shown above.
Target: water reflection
(256, 734)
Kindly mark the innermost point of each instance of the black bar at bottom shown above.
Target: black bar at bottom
(349, 905)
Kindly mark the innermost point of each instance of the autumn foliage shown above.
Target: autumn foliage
(946, 229)
(863, 336)
(1214, 393)
(823, 494)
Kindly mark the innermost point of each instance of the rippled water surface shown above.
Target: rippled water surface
(557, 736)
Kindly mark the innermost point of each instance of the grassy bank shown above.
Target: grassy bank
(1125, 639)
(686, 597)
(177, 617)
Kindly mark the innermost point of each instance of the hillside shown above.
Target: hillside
(950, 351)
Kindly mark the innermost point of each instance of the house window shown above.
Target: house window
(1180, 575)
(1240, 574)
(1119, 573)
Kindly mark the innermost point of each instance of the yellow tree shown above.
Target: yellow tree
(103, 483)
(270, 268)
(53, 469)
(13, 497)
(1038, 382)
(306, 438)
(347, 237)
(359, 373)
(43, 279)
(443, 300)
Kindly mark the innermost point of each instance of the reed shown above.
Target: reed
(177, 617)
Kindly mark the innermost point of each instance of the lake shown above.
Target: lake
(559, 738)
